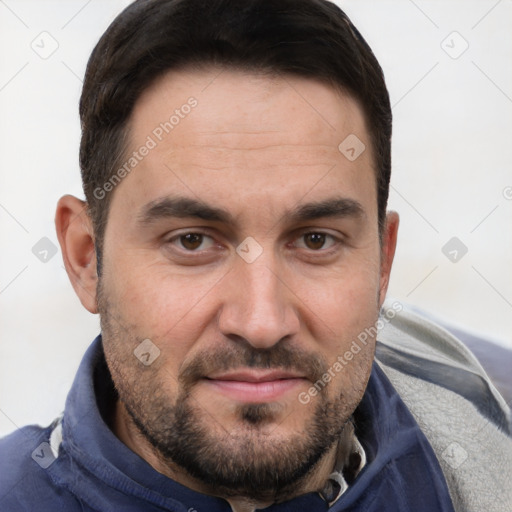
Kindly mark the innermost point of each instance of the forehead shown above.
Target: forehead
(223, 134)
(254, 106)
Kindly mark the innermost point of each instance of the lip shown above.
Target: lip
(252, 386)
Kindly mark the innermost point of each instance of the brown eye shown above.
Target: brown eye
(314, 241)
(191, 241)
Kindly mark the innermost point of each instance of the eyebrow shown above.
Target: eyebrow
(184, 207)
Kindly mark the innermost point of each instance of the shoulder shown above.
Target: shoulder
(418, 347)
(456, 405)
(25, 485)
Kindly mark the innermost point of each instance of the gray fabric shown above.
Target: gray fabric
(495, 359)
(456, 405)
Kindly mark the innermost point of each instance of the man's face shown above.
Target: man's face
(244, 326)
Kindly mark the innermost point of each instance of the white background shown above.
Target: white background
(452, 161)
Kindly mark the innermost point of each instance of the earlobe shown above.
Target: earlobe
(76, 238)
(389, 239)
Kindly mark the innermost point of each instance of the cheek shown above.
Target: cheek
(342, 311)
(342, 303)
(170, 309)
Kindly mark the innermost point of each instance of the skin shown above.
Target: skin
(258, 147)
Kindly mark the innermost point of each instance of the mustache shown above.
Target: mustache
(242, 355)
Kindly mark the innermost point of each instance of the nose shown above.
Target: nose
(259, 305)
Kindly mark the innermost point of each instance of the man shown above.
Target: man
(235, 242)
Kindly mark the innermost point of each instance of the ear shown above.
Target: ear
(76, 239)
(389, 238)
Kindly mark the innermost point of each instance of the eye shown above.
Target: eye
(193, 242)
(315, 241)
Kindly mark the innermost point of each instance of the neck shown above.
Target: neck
(124, 428)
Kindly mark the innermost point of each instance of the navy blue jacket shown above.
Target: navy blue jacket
(94, 471)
